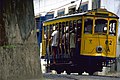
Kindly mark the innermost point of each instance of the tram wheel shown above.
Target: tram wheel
(91, 73)
(58, 72)
(68, 73)
(80, 73)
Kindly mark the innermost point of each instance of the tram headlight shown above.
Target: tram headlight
(99, 49)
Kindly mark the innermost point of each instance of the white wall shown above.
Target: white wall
(36, 7)
(44, 6)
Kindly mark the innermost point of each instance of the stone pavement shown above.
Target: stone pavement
(116, 74)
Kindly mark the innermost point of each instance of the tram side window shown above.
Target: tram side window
(79, 28)
(74, 26)
(88, 25)
(63, 25)
(50, 35)
(45, 32)
(60, 30)
(112, 27)
(71, 25)
(60, 34)
(100, 26)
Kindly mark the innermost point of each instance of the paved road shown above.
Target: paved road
(49, 76)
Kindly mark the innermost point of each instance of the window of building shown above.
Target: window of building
(49, 15)
(96, 4)
(72, 9)
(88, 25)
(84, 7)
(61, 12)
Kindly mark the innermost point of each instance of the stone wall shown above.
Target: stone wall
(19, 54)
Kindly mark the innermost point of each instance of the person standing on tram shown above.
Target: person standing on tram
(72, 43)
(65, 40)
(55, 40)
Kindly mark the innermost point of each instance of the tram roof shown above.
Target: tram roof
(88, 13)
(67, 16)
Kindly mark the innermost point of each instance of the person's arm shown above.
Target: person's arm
(52, 36)
(45, 36)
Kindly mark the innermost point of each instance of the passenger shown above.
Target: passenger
(88, 28)
(46, 40)
(55, 40)
(65, 40)
(72, 43)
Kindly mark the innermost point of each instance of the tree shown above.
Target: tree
(19, 56)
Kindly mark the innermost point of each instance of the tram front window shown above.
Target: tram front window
(88, 25)
(112, 27)
(101, 26)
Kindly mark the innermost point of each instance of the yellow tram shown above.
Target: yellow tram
(95, 39)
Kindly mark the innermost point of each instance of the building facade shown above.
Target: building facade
(60, 7)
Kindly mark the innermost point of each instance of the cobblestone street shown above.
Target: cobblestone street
(109, 76)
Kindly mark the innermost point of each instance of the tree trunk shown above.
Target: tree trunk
(19, 53)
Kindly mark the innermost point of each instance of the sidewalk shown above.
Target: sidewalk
(116, 74)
